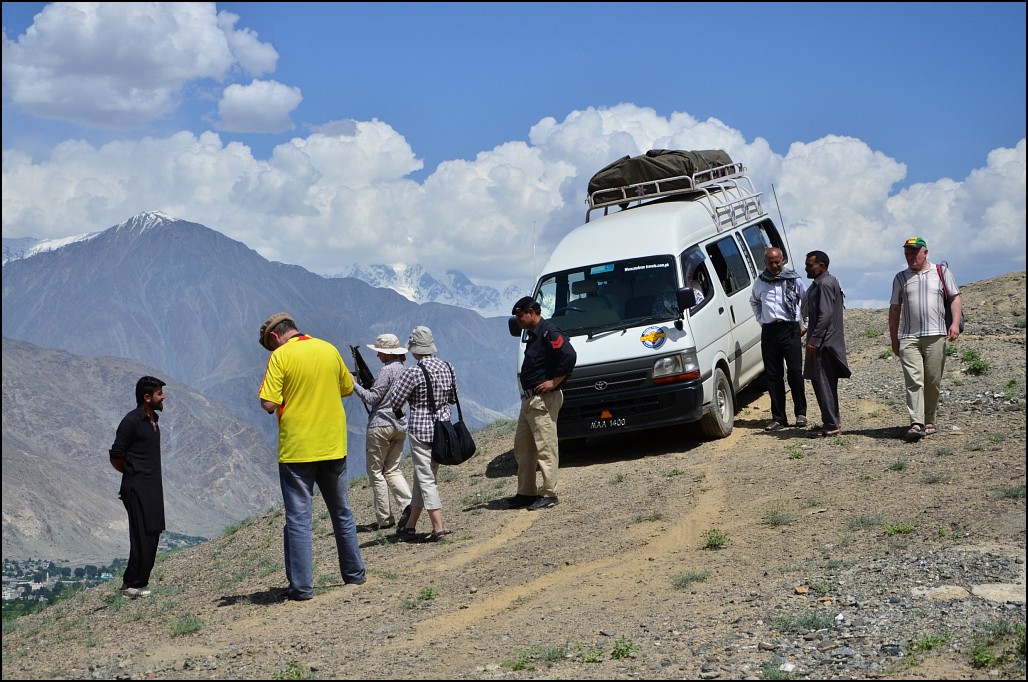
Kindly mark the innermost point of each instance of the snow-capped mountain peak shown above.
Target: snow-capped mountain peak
(451, 287)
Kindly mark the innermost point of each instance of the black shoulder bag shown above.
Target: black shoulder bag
(452, 442)
(946, 299)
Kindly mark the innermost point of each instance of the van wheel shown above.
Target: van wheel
(718, 421)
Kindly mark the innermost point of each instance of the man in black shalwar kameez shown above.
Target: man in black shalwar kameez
(136, 453)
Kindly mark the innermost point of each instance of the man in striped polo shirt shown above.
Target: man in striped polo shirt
(917, 326)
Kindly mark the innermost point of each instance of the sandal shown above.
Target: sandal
(826, 434)
(437, 535)
(915, 433)
(405, 533)
(930, 430)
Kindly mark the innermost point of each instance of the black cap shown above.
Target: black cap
(524, 303)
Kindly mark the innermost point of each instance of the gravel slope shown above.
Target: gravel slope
(853, 558)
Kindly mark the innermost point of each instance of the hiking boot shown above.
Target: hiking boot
(135, 592)
(518, 501)
(543, 503)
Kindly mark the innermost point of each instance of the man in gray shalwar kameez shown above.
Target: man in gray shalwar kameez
(826, 342)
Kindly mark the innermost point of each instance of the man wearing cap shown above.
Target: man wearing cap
(548, 361)
(385, 436)
(304, 383)
(917, 327)
(411, 389)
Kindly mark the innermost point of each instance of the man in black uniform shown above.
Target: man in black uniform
(136, 453)
(549, 360)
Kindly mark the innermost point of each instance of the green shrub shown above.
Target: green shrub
(683, 581)
(802, 622)
(623, 648)
(778, 515)
(898, 528)
(714, 539)
(1013, 492)
(864, 521)
(186, 625)
(293, 671)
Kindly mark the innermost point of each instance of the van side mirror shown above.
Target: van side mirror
(686, 298)
(513, 326)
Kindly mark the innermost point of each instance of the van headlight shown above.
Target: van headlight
(678, 367)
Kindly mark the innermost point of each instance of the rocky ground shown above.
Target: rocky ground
(760, 556)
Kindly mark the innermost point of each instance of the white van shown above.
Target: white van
(655, 298)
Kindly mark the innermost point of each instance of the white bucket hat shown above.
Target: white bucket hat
(421, 341)
(388, 344)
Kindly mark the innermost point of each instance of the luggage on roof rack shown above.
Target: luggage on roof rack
(675, 166)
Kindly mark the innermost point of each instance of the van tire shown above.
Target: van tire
(719, 419)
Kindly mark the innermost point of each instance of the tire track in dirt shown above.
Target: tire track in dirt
(625, 576)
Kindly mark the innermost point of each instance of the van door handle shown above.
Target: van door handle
(732, 308)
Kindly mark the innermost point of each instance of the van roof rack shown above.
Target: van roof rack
(725, 191)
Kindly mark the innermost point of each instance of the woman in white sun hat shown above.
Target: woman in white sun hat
(386, 433)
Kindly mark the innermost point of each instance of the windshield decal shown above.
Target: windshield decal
(647, 266)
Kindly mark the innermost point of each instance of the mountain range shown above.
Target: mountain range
(452, 287)
(413, 282)
(186, 302)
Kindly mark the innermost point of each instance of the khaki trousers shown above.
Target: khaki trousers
(535, 443)
(923, 360)
(389, 489)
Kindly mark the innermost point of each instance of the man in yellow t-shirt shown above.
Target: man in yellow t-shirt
(304, 383)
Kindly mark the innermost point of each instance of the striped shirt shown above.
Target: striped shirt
(920, 296)
(375, 397)
(410, 389)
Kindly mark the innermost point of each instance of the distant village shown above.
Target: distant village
(30, 584)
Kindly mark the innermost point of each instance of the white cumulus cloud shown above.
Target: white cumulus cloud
(260, 107)
(117, 65)
(343, 194)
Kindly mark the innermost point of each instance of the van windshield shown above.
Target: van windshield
(610, 295)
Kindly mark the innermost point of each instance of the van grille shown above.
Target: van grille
(605, 384)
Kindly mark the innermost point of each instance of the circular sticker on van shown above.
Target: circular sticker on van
(653, 337)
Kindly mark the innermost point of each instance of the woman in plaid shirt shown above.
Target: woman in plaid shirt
(410, 388)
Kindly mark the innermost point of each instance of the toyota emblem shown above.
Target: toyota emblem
(600, 385)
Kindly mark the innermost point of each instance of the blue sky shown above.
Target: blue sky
(463, 135)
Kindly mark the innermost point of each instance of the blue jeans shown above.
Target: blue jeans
(297, 482)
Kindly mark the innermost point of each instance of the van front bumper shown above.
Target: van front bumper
(647, 407)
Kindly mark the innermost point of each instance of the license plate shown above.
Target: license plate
(617, 423)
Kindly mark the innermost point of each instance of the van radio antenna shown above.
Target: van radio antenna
(535, 264)
(778, 206)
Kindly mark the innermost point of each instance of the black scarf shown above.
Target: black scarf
(792, 298)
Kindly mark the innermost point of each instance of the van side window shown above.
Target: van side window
(762, 237)
(754, 270)
(729, 265)
(696, 276)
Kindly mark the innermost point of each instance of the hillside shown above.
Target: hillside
(60, 493)
(858, 557)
